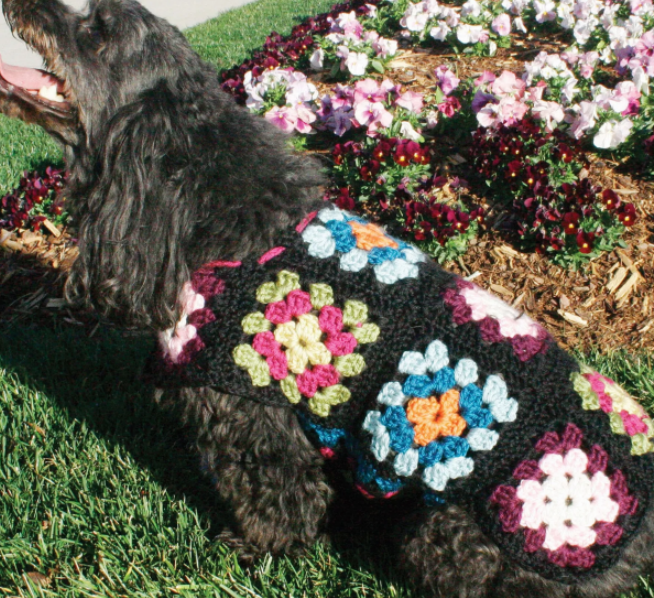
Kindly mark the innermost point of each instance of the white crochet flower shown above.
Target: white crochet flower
(568, 502)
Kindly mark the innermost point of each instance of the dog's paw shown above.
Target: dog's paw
(246, 553)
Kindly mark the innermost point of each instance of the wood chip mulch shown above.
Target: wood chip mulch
(607, 305)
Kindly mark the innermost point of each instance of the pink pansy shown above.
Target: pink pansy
(384, 47)
(415, 18)
(471, 8)
(447, 80)
(507, 84)
(304, 119)
(389, 87)
(585, 120)
(545, 11)
(282, 117)
(368, 89)
(502, 25)
(489, 115)
(367, 112)
(348, 24)
(571, 56)
(535, 94)
(469, 34)
(551, 112)
(440, 31)
(627, 89)
(380, 118)
(411, 101)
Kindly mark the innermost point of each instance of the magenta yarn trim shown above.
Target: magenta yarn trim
(524, 346)
(306, 221)
(274, 252)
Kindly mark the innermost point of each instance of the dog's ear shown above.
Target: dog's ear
(135, 223)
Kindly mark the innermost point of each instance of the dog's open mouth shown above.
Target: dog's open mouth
(36, 86)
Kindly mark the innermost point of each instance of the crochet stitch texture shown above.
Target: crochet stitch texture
(423, 381)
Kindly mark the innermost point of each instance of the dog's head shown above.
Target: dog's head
(165, 171)
(97, 62)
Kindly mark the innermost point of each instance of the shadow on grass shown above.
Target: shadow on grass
(97, 380)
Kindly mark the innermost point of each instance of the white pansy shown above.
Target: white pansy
(612, 133)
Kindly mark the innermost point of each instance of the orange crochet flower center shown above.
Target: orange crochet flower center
(370, 236)
(434, 417)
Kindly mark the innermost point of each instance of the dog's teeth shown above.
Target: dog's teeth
(50, 93)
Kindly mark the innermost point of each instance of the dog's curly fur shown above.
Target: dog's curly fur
(167, 173)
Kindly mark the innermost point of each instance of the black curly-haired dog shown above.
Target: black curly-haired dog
(167, 175)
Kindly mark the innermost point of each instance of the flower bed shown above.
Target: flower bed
(35, 200)
(593, 96)
(529, 130)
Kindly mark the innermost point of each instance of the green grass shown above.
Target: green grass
(99, 494)
(23, 147)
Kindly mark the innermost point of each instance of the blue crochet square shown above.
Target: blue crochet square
(343, 236)
(418, 386)
(443, 380)
(379, 255)
(430, 454)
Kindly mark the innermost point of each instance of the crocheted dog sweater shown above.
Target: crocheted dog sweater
(425, 381)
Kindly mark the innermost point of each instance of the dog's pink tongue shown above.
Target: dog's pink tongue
(30, 79)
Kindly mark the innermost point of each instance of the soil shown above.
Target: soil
(607, 305)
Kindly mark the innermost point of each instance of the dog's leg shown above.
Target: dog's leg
(262, 466)
(444, 552)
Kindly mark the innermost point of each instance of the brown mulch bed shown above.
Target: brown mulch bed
(607, 305)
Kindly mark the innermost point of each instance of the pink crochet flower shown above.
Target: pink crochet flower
(566, 503)
(304, 342)
(331, 323)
